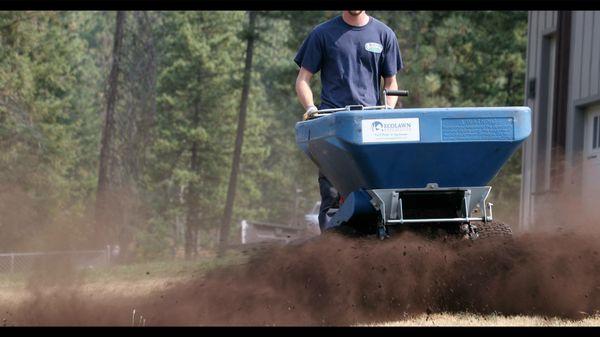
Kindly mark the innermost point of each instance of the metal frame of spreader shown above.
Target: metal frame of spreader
(389, 203)
(386, 93)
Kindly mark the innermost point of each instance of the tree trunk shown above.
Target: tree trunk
(102, 194)
(239, 140)
(140, 75)
(192, 218)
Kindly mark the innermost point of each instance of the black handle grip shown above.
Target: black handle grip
(396, 92)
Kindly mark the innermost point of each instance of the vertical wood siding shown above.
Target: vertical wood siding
(584, 84)
(585, 55)
(595, 59)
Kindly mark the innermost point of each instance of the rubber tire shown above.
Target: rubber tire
(493, 230)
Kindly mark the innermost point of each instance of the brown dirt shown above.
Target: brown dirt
(343, 281)
(490, 320)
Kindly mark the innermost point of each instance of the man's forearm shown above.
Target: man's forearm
(305, 95)
(390, 83)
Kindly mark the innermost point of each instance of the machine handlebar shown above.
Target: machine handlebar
(395, 92)
(386, 93)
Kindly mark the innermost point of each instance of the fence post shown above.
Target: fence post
(107, 255)
(12, 263)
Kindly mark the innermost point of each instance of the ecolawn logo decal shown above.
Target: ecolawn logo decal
(377, 126)
(374, 47)
(390, 130)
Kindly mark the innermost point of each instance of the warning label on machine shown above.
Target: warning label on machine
(390, 130)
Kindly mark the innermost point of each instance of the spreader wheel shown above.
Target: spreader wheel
(493, 230)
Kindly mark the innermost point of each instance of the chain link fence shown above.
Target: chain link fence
(25, 262)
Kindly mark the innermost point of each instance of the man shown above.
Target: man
(353, 52)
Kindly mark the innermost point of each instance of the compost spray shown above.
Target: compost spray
(552, 270)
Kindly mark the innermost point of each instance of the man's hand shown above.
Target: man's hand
(309, 112)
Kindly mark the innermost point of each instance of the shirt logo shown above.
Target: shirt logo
(373, 47)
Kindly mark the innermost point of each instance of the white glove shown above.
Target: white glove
(309, 112)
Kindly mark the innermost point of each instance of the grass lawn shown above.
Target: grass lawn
(126, 279)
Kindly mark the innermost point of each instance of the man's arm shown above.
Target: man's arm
(390, 83)
(305, 95)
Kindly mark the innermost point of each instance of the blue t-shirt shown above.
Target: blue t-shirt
(351, 59)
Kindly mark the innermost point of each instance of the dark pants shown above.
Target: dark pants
(330, 198)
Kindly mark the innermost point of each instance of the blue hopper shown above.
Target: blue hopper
(413, 166)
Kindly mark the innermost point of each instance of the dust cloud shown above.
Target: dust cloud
(336, 280)
(551, 270)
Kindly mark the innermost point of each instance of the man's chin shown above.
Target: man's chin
(355, 13)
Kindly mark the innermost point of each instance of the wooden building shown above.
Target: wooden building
(563, 91)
